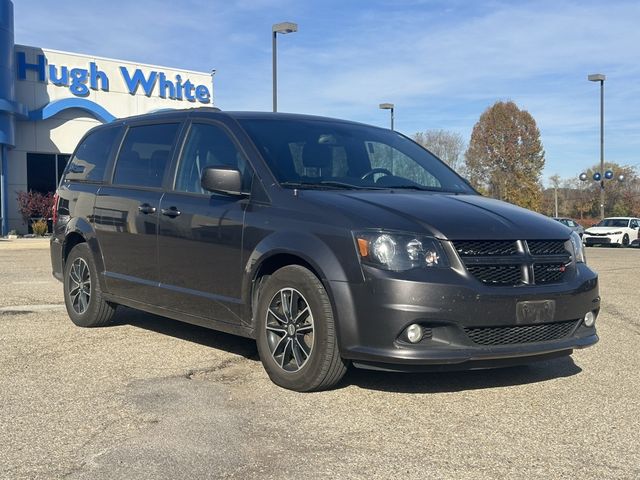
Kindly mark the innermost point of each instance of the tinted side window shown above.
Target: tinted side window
(145, 155)
(91, 156)
(207, 146)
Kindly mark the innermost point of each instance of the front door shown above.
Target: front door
(200, 233)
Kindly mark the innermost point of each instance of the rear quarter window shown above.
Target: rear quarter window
(90, 159)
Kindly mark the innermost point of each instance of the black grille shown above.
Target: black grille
(546, 247)
(514, 262)
(474, 248)
(598, 240)
(496, 274)
(520, 334)
(548, 272)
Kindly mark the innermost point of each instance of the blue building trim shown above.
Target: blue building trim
(8, 106)
(57, 106)
(4, 224)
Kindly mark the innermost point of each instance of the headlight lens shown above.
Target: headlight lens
(399, 251)
(615, 233)
(578, 248)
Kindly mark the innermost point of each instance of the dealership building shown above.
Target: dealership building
(50, 99)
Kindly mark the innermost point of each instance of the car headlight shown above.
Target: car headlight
(578, 248)
(399, 251)
(614, 233)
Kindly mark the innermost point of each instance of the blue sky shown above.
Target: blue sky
(441, 62)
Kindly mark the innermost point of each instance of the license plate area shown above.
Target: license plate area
(535, 311)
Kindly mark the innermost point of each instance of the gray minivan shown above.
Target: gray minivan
(331, 243)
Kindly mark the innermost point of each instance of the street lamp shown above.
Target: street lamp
(283, 28)
(388, 106)
(599, 77)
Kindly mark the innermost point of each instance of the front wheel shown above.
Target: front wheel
(625, 241)
(296, 332)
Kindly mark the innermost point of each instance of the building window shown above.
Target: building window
(44, 171)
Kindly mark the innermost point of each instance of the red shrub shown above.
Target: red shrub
(34, 204)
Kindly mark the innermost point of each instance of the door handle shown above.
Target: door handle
(172, 212)
(146, 208)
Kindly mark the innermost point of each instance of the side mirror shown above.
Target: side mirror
(226, 180)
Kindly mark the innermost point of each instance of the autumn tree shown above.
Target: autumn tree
(446, 145)
(621, 198)
(579, 198)
(505, 157)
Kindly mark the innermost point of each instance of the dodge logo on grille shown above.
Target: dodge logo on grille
(556, 268)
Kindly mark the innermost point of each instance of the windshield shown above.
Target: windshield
(613, 222)
(336, 155)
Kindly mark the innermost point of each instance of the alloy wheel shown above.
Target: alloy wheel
(79, 285)
(289, 326)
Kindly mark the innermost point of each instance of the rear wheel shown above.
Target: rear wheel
(82, 295)
(296, 332)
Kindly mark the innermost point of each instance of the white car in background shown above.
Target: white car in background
(619, 231)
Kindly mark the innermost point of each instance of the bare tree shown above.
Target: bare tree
(555, 184)
(446, 145)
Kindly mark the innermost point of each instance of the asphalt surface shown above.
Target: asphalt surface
(153, 398)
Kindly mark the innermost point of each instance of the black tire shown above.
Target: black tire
(625, 241)
(323, 367)
(85, 304)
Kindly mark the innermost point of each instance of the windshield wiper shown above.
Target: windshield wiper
(415, 187)
(324, 184)
(334, 183)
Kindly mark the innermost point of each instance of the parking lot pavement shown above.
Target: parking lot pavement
(153, 398)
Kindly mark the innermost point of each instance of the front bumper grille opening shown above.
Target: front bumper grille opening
(598, 240)
(521, 334)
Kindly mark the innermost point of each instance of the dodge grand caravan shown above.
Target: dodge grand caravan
(331, 243)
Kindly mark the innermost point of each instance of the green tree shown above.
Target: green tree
(505, 157)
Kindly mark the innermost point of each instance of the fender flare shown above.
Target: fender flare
(80, 226)
(307, 247)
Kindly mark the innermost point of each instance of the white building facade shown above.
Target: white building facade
(50, 99)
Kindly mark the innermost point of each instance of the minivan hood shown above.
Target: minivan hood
(447, 216)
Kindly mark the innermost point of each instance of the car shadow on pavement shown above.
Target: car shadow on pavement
(436, 382)
(455, 381)
(245, 347)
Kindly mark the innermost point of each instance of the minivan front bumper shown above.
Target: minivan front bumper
(466, 324)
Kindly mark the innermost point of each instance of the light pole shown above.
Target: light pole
(283, 28)
(388, 106)
(599, 77)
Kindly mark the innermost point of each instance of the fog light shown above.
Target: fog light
(589, 319)
(414, 333)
